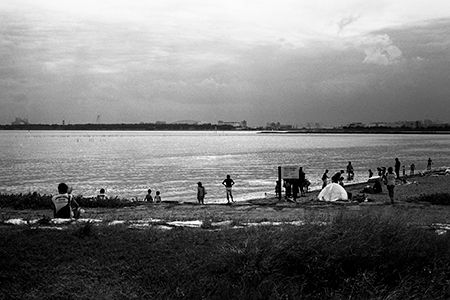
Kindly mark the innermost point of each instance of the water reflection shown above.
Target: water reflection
(128, 163)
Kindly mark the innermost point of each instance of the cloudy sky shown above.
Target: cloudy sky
(288, 61)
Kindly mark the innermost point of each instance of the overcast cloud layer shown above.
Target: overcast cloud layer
(326, 61)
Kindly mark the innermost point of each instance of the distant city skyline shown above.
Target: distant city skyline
(269, 125)
(296, 62)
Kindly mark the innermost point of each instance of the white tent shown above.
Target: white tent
(333, 192)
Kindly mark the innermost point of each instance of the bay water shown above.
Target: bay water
(127, 163)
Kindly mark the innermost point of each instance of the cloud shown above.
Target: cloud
(379, 50)
(347, 21)
(211, 83)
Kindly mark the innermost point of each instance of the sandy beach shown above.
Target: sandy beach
(270, 209)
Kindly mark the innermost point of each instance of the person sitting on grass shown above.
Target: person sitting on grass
(149, 197)
(64, 205)
(157, 197)
(102, 195)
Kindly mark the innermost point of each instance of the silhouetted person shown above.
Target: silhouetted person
(337, 177)
(287, 188)
(102, 195)
(350, 173)
(390, 183)
(277, 189)
(429, 163)
(157, 197)
(301, 181)
(228, 183)
(201, 192)
(411, 169)
(149, 196)
(397, 168)
(325, 179)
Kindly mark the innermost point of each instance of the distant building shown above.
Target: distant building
(411, 124)
(278, 126)
(242, 124)
(356, 125)
(378, 124)
(19, 121)
(188, 122)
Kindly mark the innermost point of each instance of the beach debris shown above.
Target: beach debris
(152, 223)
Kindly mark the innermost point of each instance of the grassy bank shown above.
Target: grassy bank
(38, 201)
(367, 251)
(358, 256)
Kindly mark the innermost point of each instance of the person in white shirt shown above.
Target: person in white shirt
(64, 205)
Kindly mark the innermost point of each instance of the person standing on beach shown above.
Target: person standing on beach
(397, 167)
(278, 189)
(287, 188)
(411, 169)
(325, 179)
(350, 173)
(390, 184)
(295, 188)
(429, 163)
(201, 192)
(301, 181)
(228, 183)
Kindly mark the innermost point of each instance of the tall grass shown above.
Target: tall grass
(38, 201)
(434, 199)
(355, 256)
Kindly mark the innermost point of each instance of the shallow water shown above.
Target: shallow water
(127, 163)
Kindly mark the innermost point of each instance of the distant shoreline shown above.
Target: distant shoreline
(345, 131)
(213, 127)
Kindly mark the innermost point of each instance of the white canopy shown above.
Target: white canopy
(333, 192)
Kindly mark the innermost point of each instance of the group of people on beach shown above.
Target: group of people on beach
(387, 176)
(65, 205)
(201, 192)
(294, 186)
(228, 182)
(149, 197)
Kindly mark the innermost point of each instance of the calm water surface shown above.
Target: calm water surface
(127, 163)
